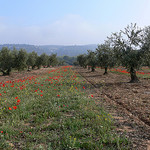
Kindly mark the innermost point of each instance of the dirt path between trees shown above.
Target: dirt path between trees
(128, 103)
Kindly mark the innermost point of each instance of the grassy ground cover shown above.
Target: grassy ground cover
(54, 112)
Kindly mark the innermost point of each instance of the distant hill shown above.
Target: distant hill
(61, 50)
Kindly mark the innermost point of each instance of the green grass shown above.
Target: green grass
(64, 117)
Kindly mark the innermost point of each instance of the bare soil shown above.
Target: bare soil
(128, 103)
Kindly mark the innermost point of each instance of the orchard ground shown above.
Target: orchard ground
(58, 109)
(50, 109)
(129, 103)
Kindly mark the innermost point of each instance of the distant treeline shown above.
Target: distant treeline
(21, 60)
(66, 60)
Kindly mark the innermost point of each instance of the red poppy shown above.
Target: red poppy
(41, 95)
(18, 101)
(91, 95)
(16, 97)
(58, 95)
(10, 108)
(83, 87)
(15, 107)
(1, 131)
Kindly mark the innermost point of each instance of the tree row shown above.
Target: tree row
(129, 48)
(21, 60)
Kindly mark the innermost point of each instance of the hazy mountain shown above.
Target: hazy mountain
(61, 50)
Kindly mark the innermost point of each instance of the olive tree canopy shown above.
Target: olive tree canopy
(128, 49)
(105, 56)
(5, 61)
(82, 60)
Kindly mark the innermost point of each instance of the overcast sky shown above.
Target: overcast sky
(68, 22)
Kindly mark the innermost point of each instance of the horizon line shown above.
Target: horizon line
(49, 44)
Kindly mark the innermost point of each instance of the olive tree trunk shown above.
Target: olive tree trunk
(134, 78)
(105, 71)
(93, 69)
(28, 68)
(5, 73)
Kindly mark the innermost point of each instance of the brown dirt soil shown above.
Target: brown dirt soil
(128, 103)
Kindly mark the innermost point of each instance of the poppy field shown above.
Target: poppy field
(54, 111)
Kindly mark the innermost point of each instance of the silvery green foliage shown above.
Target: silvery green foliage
(52, 60)
(105, 55)
(146, 45)
(44, 59)
(128, 49)
(5, 61)
(32, 59)
(92, 60)
(128, 46)
(21, 60)
(82, 60)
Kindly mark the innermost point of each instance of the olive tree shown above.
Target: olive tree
(82, 60)
(5, 61)
(61, 63)
(44, 59)
(128, 49)
(21, 60)
(146, 45)
(32, 60)
(14, 54)
(38, 62)
(105, 56)
(92, 61)
(52, 60)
